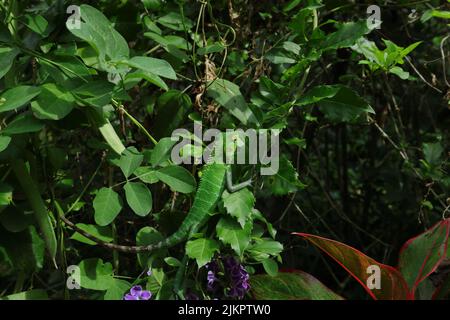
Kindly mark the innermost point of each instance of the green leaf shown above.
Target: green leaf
(147, 236)
(393, 286)
(173, 262)
(35, 294)
(433, 153)
(398, 71)
(53, 103)
(139, 198)
(116, 289)
(345, 106)
(422, 255)
(264, 249)
(239, 204)
(213, 48)
(23, 123)
(37, 23)
(202, 250)
(107, 205)
(177, 178)
(102, 233)
(130, 160)
(4, 142)
(441, 14)
(346, 35)
(152, 65)
(7, 56)
(296, 285)
(285, 180)
(96, 30)
(270, 266)
(95, 275)
(230, 232)
(175, 21)
(95, 93)
(228, 95)
(291, 5)
(150, 77)
(318, 93)
(161, 152)
(17, 97)
(146, 174)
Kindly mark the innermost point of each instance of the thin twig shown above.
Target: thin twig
(421, 76)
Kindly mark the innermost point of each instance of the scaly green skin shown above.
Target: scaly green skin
(208, 193)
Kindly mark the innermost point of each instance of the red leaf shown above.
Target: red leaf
(393, 286)
(422, 255)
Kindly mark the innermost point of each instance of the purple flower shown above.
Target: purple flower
(136, 293)
(211, 277)
(213, 269)
(149, 272)
(239, 278)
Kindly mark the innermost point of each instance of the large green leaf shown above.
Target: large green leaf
(177, 178)
(392, 284)
(422, 255)
(96, 29)
(231, 232)
(4, 142)
(228, 95)
(345, 36)
(146, 174)
(202, 250)
(264, 248)
(95, 275)
(161, 152)
(17, 97)
(54, 103)
(239, 204)
(285, 180)
(345, 106)
(318, 93)
(37, 23)
(117, 289)
(7, 56)
(107, 205)
(139, 198)
(95, 93)
(23, 123)
(296, 285)
(130, 160)
(152, 65)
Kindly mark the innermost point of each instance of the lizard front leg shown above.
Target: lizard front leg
(233, 188)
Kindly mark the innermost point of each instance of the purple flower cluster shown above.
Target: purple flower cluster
(239, 278)
(136, 293)
(235, 272)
